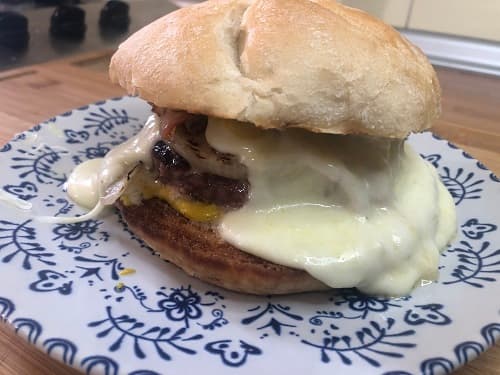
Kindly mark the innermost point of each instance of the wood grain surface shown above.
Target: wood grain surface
(470, 119)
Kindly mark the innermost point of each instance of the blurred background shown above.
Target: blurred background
(36, 31)
(462, 34)
(455, 33)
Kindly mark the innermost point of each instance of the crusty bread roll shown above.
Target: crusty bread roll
(278, 63)
(200, 252)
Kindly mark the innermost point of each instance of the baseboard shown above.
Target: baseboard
(456, 52)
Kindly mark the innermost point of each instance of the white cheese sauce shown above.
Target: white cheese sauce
(14, 201)
(82, 185)
(90, 181)
(351, 211)
(96, 183)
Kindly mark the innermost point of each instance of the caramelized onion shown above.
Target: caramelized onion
(190, 142)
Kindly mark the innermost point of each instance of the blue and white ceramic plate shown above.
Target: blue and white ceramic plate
(58, 282)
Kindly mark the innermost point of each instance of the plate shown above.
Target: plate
(64, 288)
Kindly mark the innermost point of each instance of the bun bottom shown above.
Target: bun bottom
(200, 252)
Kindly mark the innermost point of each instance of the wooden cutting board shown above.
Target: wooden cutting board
(471, 119)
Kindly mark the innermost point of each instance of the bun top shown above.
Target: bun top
(314, 64)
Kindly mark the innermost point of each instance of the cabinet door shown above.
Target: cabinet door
(471, 18)
(394, 12)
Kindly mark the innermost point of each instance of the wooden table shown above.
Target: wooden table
(471, 119)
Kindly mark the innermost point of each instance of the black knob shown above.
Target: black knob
(56, 2)
(14, 32)
(49, 2)
(115, 15)
(68, 21)
(11, 2)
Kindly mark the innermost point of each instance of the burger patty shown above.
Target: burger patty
(174, 170)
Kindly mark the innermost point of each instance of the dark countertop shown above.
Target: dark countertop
(43, 47)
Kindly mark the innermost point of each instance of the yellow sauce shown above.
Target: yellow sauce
(142, 186)
(126, 272)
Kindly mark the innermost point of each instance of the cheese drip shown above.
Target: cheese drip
(105, 173)
(352, 211)
(99, 182)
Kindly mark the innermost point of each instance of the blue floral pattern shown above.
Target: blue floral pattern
(462, 185)
(181, 305)
(158, 319)
(475, 230)
(362, 342)
(139, 334)
(25, 190)
(40, 162)
(231, 354)
(477, 264)
(430, 314)
(18, 240)
(50, 281)
(273, 316)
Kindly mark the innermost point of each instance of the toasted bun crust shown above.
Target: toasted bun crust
(314, 64)
(201, 253)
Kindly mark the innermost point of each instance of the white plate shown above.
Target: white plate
(58, 281)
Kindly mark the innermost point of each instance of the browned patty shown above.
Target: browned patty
(200, 252)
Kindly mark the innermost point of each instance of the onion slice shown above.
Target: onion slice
(190, 142)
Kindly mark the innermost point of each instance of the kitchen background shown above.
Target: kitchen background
(469, 18)
(455, 33)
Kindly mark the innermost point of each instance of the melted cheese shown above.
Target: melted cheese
(351, 211)
(99, 182)
(12, 200)
(82, 185)
(92, 180)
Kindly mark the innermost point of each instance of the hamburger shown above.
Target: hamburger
(275, 159)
